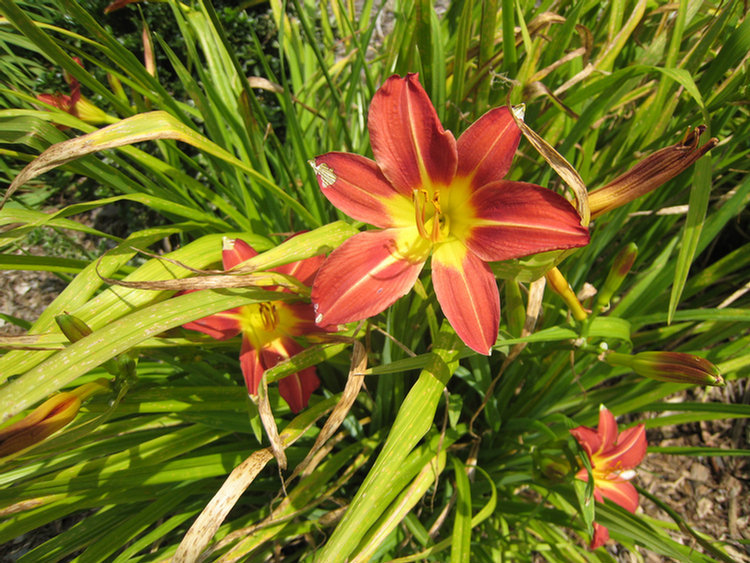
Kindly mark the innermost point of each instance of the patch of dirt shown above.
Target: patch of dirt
(711, 493)
(25, 294)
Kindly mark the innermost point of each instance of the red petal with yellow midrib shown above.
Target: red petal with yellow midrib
(486, 148)
(360, 190)
(467, 292)
(607, 429)
(618, 491)
(363, 277)
(515, 219)
(407, 137)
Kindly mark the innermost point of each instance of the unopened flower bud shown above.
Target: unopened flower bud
(560, 285)
(650, 173)
(72, 327)
(623, 262)
(675, 367)
(47, 418)
(554, 469)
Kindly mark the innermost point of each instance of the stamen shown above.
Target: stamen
(420, 203)
(436, 218)
(269, 316)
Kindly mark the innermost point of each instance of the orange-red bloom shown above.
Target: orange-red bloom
(268, 329)
(613, 459)
(429, 194)
(53, 414)
(65, 102)
(74, 103)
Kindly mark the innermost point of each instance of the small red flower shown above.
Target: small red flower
(432, 195)
(613, 460)
(65, 102)
(268, 329)
(75, 103)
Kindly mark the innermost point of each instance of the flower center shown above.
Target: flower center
(432, 222)
(259, 322)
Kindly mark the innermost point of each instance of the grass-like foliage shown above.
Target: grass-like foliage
(137, 438)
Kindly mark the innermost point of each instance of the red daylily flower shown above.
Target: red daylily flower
(65, 102)
(268, 329)
(430, 194)
(613, 459)
(601, 536)
(74, 103)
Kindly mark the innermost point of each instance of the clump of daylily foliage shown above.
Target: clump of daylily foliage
(426, 298)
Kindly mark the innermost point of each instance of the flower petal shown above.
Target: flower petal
(630, 449)
(220, 326)
(515, 219)
(295, 389)
(355, 185)
(252, 369)
(601, 536)
(367, 274)
(303, 270)
(298, 319)
(607, 429)
(236, 251)
(588, 438)
(467, 293)
(618, 491)
(408, 141)
(486, 148)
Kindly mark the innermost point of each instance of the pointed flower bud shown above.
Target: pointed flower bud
(72, 327)
(650, 173)
(554, 468)
(75, 329)
(560, 285)
(622, 264)
(675, 367)
(47, 418)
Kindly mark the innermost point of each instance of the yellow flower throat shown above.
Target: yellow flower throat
(259, 322)
(432, 222)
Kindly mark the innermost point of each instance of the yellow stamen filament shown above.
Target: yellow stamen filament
(420, 203)
(423, 213)
(436, 218)
(269, 316)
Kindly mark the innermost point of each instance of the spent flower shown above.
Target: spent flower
(268, 329)
(430, 194)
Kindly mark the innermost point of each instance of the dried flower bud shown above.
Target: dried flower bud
(620, 268)
(650, 173)
(675, 367)
(47, 418)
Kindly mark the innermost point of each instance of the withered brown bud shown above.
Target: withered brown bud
(650, 173)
